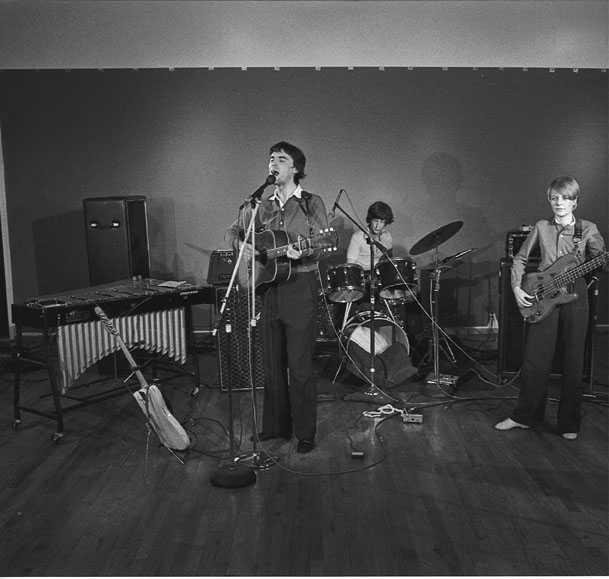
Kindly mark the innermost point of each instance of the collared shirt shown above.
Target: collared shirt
(359, 249)
(296, 193)
(554, 241)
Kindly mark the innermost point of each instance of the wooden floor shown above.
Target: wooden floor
(450, 496)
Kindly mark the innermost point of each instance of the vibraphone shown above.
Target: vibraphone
(149, 314)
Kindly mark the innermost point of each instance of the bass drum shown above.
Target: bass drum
(391, 346)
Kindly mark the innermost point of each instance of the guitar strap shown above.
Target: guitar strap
(577, 237)
(306, 209)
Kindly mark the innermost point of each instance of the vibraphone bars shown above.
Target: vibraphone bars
(149, 314)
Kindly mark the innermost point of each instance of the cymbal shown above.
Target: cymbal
(435, 238)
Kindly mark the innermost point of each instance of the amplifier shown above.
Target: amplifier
(514, 240)
(240, 358)
(221, 264)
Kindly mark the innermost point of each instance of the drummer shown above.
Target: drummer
(378, 218)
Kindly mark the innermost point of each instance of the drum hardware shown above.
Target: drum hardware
(432, 241)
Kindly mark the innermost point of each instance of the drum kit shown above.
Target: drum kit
(394, 282)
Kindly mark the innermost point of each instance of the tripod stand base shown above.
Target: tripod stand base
(372, 395)
(260, 459)
(233, 476)
(443, 379)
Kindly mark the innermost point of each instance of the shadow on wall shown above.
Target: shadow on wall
(60, 252)
(466, 289)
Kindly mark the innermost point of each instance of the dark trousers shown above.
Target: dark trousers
(566, 325)
(290, 397)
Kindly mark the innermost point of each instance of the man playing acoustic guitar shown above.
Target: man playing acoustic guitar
(289, 305)
(556, 305)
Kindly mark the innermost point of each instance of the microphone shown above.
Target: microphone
(458, 255)
(271, 178)
(337, 199)
(332, 213)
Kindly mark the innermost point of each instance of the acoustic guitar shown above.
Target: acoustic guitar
(272, 264)
(150, 399)
(549, 287)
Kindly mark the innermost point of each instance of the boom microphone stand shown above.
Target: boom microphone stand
(231, 474)
(373, 393)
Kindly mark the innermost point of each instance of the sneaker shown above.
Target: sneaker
(508, 424)
(569, 435)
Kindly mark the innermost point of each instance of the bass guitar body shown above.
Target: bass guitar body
(549, 289)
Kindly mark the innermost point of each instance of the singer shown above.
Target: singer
(289, 307)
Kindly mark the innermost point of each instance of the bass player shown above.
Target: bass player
(566, 323)
(289, 305)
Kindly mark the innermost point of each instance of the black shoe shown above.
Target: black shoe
(264, 436)
(305, 446)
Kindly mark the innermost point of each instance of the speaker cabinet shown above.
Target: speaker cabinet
(512, 329)
(117, 238)
(234, 348)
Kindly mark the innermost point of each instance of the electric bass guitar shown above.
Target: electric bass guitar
(272, 264)
(549, 287)
(150, 399)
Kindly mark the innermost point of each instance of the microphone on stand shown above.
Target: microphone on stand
(271, 178)
(458, 255)
(332, 213)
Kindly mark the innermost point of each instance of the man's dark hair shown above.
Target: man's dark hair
(379, 210)
(297, 156)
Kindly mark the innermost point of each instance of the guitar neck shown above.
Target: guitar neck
(574, 273)
(282, 250)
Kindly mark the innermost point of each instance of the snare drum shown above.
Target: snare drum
(345, 283)
(400, 284)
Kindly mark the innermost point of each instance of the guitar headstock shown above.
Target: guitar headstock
(326, 240)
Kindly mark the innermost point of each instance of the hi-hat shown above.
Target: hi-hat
(435, 238)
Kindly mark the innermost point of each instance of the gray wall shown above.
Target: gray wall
(479, 146)
(157, 33)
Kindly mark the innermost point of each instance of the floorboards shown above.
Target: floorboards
(450, 496)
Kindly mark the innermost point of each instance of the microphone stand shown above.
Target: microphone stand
(231, 474)
(373, 393)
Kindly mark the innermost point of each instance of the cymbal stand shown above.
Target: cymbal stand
(373, 393)
(438, 379)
